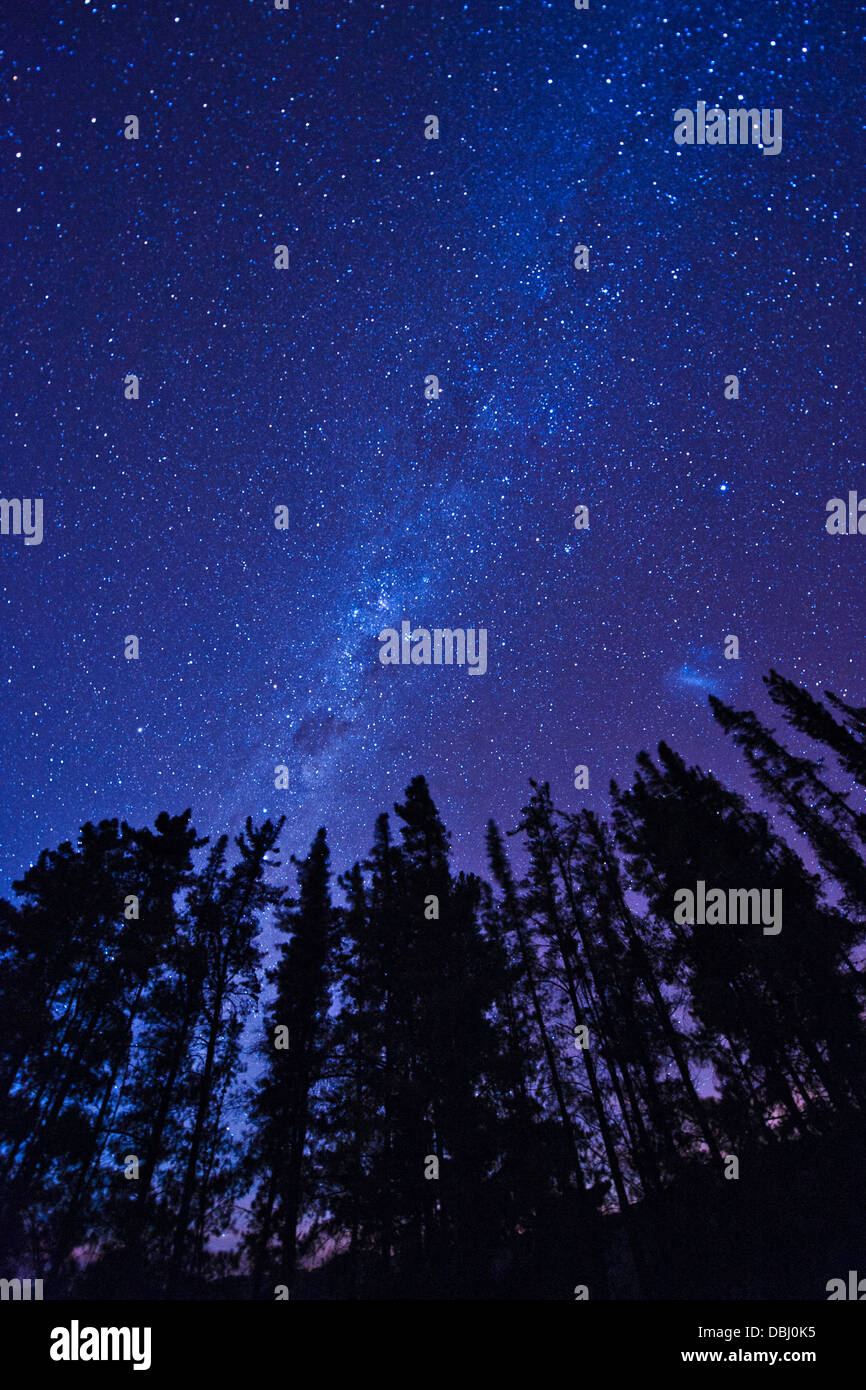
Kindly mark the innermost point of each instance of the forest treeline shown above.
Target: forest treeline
(527, 1087)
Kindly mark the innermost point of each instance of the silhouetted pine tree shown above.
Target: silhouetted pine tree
(778, 1000)
(819, 813)
(513, 1073)
(158, 1085)
(548, 905)
(633, 1028)
(385, 948)
(283, 1103)
(347, 1152)
(445, 1048)
(95, 921)
(810, 716)
(228, 922)
(553, 897)
(164, 869)
(563, 1154)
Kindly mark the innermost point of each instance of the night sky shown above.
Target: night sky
(305, 388)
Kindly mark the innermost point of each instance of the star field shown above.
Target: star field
(305, 388)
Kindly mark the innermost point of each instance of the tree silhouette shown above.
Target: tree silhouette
(462, 1089)
(295, 1060)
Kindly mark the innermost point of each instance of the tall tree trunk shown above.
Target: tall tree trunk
(204, 1097)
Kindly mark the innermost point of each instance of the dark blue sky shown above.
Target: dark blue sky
(305, 387)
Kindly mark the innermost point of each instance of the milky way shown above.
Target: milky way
(305, 388)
